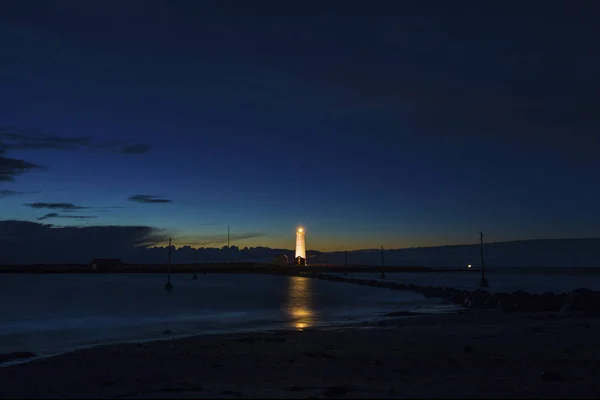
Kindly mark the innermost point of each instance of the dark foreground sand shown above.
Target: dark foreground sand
(488, 354)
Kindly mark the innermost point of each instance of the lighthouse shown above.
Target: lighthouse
(300, 258)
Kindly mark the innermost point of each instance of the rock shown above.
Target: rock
(545, 302)
(491, 301)
(550, 376)
(582, 299)
(468, 350)
(278, 340)
(319, 354)
(231, 393)
(457, 298)
(334, 391)
(477, 298)
(507, 304)
(522, 300)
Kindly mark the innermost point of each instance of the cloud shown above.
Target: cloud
(32, 140)
(36, 242)
(35, 140)
(6, 193)
(55, 206)
(10, 168)
(56, 215)
(148, 199)
(13, 139)
(205, 240)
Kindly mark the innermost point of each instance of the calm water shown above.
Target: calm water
(48, 314)
(559, 281)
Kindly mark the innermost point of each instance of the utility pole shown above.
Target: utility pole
(169, 285)
(483, 282)
(195, 267)
(382, 276)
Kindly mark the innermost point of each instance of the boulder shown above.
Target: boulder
(477, 298)
(522, 300)
(582, 300)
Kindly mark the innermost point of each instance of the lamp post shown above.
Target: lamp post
(483, 282)
(169, 285)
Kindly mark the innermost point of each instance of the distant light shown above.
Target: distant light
(300, 230)
(469, 265)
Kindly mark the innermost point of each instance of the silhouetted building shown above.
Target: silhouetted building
(102, 264)
(301, 261)
(281, 259)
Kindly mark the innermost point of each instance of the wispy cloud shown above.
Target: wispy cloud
(7, 193)
(56, 215)
(14, 139)
(30, 139)
(148, 199)
(55, 206)
(10, 167)
(206, 240)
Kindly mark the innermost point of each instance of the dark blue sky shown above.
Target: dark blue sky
(371, 123)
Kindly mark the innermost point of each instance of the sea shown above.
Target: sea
(49, 314)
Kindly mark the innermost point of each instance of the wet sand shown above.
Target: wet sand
(471, 354)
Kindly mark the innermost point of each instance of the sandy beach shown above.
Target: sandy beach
(470, 354)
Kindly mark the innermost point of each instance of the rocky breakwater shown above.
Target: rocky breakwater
(583, 300)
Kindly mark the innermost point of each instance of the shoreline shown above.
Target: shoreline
(24, 356)
(470, 353)
(224, 268)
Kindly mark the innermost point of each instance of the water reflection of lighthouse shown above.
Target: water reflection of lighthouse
(298, 307)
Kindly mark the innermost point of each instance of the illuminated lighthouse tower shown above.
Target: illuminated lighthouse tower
(300, 258)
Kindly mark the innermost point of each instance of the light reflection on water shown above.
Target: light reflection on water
(299, 307)
(39, 313)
